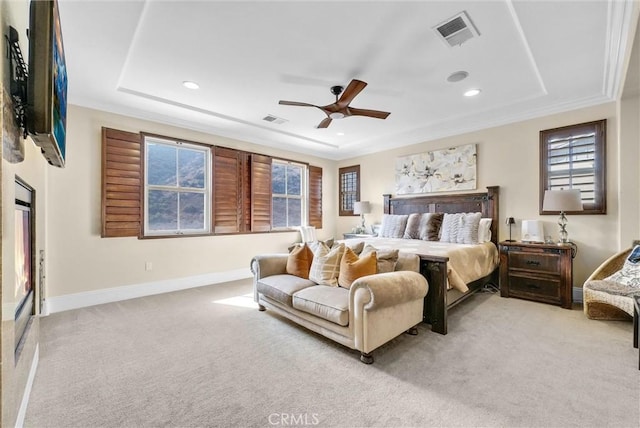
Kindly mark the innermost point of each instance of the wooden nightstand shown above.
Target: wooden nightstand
(540, 272)
(357, 235)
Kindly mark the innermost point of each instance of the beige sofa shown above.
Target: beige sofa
(373, 311)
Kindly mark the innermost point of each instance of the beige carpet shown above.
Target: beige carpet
(201, 358)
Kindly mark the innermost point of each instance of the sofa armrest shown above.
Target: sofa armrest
(389, 289)
(266, 265)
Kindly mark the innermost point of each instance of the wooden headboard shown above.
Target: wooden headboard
(486, 203)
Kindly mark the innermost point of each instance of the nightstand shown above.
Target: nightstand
(540, 272)
(357, 235)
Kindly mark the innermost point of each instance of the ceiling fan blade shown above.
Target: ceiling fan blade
(325, 123)
(354, 88)
(369, 113)
(296, 103)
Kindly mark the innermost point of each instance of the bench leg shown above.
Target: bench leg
(366, 358)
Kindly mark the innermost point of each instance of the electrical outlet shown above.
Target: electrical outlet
(148, 266)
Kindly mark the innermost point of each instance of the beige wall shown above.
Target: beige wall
(508, 157)
(79, 260)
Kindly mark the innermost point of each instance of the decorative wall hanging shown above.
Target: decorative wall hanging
(437, 171)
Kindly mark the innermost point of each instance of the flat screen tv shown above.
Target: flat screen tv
(47, 83)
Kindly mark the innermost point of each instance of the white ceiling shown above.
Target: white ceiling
(531, 58)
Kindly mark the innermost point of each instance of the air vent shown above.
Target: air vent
(274, 119)
(457, 30)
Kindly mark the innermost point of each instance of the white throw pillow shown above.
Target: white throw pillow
(393, 226)
(484, 230)
(325, 266)
(460, 228)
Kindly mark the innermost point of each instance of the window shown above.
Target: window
(349, 189)
(177, 187)
(158, 186)
(288, 184)
(573, 157)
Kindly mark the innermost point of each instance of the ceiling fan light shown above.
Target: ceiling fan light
(336, 115)
(457, 76)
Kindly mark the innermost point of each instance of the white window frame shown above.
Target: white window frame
(304, 195)
(206, 191)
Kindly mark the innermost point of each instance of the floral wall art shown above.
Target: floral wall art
(437, 171)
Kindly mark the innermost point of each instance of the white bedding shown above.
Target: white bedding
(467, 262)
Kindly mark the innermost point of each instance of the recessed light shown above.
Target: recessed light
(190, 85)
(472, 92)
(340, 134)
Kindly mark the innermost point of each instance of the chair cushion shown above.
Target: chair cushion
(329, 303)
(281, 287)
(629, 275)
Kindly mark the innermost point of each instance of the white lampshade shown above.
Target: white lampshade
(361, 207)
(562, 200)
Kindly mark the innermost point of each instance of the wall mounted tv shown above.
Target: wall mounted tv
(47, 83)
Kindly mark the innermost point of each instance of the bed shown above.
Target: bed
(435, 258)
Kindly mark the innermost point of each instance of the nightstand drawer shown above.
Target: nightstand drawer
(539, 262)
(528, 286)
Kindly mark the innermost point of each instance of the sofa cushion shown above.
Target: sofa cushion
(299, 261)
(353, 267)
(326, 265)
(329, 303)
(386, 259)
(281, 287)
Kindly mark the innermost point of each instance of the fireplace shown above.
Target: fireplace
(24, 239)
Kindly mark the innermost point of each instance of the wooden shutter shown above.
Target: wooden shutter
(245, 196)
(121, 183)
(315, 196)
(260, 193)
(227, 190)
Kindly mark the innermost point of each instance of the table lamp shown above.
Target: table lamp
(510, 222)
(362, 208)
(562, 200)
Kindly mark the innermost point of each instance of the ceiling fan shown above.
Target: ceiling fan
(340, 108)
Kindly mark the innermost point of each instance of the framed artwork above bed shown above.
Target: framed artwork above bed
(441, 170)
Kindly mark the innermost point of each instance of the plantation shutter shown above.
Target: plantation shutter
(260, 193)
(121, 183)
(315, 196)
(227, 190)
(246, 192)
(572, 158)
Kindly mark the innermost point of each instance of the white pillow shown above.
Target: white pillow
(629, 275)
(325, 267)
(484, 230)
(393, 226)
(460, 228)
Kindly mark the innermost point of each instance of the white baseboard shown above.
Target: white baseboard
(577, 294)
(27, 389)
(115, 294)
